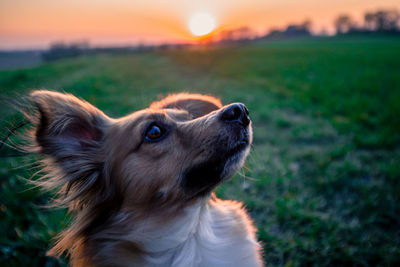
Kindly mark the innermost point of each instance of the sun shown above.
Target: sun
(201, 24)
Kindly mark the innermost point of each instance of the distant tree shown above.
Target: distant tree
(303, 29)
(382, 21)
(323, 32)
(244, 33)
(369, 20)
(62, 50)
(307, 24)
(344, 24)
(292, 30)
(274, 33)
(237, 34)
(226, 35)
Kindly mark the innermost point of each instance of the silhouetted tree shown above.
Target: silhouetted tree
(244, 33)
(274, 33)
(226, 35)
(237, 34)
(62, 50)
(369, 20)
(303, 29)
(344, 24)
(382, 21)
(292, 30)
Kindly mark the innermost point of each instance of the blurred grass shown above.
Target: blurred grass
(322, 182)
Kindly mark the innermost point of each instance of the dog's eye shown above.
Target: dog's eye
(154, 132)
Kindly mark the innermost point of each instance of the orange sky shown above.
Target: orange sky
(37, 23)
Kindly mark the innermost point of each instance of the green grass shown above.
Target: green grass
(322, 181)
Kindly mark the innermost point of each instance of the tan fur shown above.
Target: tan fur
(198, 105)
(140, 202)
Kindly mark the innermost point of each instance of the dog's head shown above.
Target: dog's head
(175, 151)
(181, 147)
(178, 148)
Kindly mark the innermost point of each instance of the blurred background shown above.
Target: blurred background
(321, 80)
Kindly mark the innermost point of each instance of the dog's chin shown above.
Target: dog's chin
(235, 160)
(202, 178)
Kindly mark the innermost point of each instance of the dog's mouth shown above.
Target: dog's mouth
(240, 146)
(201, 178)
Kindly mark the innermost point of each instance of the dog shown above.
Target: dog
(140, 187)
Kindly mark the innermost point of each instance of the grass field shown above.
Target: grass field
(323, 179)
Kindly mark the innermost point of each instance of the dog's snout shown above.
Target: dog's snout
(236, 112)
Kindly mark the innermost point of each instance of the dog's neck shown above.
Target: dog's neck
(158, 234)
(205, 233)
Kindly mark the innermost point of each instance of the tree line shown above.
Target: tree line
(385, 21)
(380, 21)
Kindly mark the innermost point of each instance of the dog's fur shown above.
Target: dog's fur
(138, 201)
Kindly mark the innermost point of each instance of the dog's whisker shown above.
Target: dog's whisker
(248, 177)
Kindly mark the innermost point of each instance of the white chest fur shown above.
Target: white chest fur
(215, 233)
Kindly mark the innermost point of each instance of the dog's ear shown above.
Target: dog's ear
(68, 132)
(197, 105)
(65, 124)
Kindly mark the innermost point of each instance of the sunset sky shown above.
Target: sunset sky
(37, 23)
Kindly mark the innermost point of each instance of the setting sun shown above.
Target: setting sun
(201, 24)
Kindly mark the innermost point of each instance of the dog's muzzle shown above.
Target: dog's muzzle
(228, 152)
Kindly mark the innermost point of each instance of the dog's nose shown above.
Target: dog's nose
(236, 112)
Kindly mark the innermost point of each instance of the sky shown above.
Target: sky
(35, 24)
